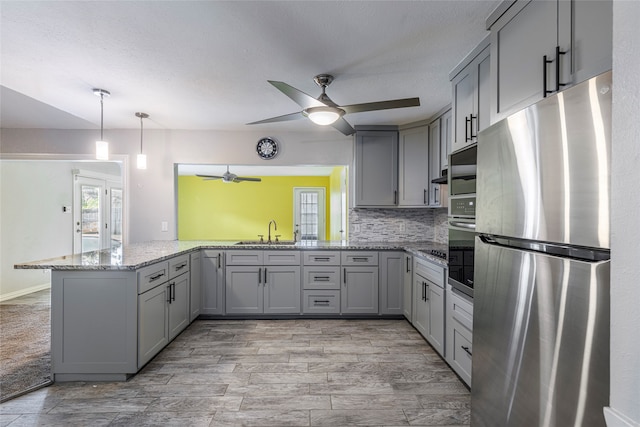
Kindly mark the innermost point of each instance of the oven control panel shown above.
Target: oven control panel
(463, 206)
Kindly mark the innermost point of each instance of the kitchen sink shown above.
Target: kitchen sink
(264, 243)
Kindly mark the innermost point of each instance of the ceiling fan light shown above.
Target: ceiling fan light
(102, 150)
(323, 115)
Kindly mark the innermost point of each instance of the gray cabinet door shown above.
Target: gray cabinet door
(459, 327)
(178, 305)
(413, 176)
(244, 290)
(462, 107)
(212, 282)
(592, 38)
(407, 294)
(376, 168)
(282, 290)
(446, 124)
(391, 276)
(359, 290)
(435, 136)
(519, 41)
(195, 283)
(420, 306)
(153, 312)
(436, 317)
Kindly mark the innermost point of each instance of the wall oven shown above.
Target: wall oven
(462, 218)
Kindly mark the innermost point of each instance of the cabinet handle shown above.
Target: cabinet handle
(219, 256)
(321, 278)
(360, 259)
(471, 119)
(436, 199)
(466, 129)
(173, 285)
(424, 197)
(426, 292)
(259, 276)
(395, 197)
(181, 266)
(321, 258)
(408, 269)
(558, 84)
(466, 349)
(321, 302)
(344, 276)
(422, 296)
(156, 277)
(545, 62)
(265, 275)
(169, 293)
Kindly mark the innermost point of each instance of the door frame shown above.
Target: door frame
(322, 213)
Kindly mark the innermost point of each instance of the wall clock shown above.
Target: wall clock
(267, 148)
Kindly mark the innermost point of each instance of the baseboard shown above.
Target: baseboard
(616, 419)
(26, 291)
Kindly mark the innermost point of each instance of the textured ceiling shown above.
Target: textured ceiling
(205, 64)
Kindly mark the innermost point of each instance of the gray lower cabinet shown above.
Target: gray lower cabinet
(407, 285)
(321, 282)
(195, 284)
(213, 282)
(429, 302)
(359, 293)
(163, 310)
(391, 276)
(94, 318)
(264, 288)
(459, 322)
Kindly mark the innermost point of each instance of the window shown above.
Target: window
(309, 213)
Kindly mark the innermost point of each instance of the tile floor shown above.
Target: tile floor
(267, 373)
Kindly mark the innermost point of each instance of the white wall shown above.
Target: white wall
(32, 223)
(625, 207)
(151, 195)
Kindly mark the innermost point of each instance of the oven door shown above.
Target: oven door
(461, 253)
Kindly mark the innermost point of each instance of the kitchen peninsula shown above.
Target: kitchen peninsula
(113, 311)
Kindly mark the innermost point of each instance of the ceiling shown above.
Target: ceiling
(205, 64)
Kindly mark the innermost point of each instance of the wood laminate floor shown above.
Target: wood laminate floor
(267, 373)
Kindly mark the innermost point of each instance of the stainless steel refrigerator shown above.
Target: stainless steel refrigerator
(542, 263)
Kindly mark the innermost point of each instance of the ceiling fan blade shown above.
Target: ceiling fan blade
(285, 118)
(299, 97)
(245, 178)
(209, 176)
(381, 105)
(343, 126)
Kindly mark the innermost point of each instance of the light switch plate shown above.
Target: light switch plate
(165, 226)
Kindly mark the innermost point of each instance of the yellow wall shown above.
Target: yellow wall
(213, 210)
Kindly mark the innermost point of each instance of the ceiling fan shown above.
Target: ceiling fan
(229, 177)
(324, 111)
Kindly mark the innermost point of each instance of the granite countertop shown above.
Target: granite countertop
(138, 255)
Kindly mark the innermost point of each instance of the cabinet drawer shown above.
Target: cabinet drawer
(461, 310)
(321, 257)
(153, 275)
(429, 271)
(178, 265)
(359, 258)
(244, 258)
(321, 277)
(321, 302)
(278, 257)
(462, 350)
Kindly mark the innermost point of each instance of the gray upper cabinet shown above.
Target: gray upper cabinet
(376, 168)
(439, 143)
(470, 96)
(542, 47)
(413, 171)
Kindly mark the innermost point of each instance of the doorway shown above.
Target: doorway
(309, 212)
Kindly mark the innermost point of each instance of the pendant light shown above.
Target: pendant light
(141, 160)
(102, 146)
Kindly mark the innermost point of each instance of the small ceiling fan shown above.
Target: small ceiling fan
(229, 177)
(324, 111)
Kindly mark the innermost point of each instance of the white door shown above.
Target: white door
(97, 214)
(309, 213)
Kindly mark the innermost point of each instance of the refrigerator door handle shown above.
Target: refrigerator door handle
(560, 250)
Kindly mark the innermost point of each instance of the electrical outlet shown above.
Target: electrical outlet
(356, 228)
(401, 227)
(164, 226)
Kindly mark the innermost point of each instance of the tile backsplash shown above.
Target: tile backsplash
(398, 225)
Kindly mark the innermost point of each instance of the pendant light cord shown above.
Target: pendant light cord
(101, 116)
(141, 129)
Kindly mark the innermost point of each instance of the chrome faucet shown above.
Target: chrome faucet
(275, 228)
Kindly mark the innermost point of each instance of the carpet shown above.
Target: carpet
(25, 348)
